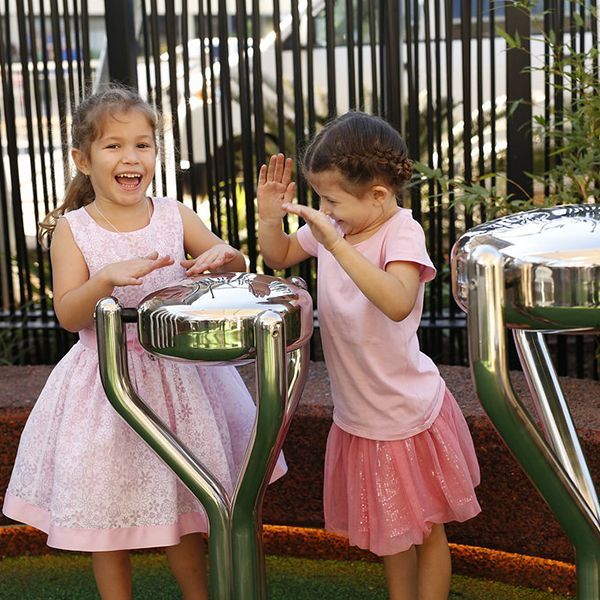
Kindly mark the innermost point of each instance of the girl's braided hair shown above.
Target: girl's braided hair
(363, 148)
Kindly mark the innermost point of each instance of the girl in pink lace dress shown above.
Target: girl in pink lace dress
(81, 474)
(400, 460)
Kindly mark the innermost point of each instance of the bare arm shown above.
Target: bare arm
(75, 292)
(209, 252)
(275, 187)
(393, 290)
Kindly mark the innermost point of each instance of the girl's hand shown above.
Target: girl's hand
(274, 187)
(212, 260)
(320, 224)
(131, 272)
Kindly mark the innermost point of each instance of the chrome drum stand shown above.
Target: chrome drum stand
(534, 273)
(230, 318)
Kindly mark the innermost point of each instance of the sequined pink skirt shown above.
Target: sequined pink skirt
(386, 495)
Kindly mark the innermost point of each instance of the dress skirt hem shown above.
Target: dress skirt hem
(385, 496)
(102, 540)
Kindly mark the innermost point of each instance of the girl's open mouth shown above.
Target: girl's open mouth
(129, 181)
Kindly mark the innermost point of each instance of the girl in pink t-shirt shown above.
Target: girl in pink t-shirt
(400, 460)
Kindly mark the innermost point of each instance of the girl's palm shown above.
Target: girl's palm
(131, 272)
(212, 260)
(320, 224)
(274, 187)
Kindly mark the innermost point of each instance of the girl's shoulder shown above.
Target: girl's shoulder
(166, 217)
(77, 217)
(165, 202)
(403, 219)
(403, 215)
(166, 207)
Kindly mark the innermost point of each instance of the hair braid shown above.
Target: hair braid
(364, 148)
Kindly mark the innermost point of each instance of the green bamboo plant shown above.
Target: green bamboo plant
(571, 131)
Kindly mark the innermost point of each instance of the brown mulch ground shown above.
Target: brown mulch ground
(480, 546)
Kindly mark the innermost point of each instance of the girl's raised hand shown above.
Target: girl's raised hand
(131, 272)
(320, 224)
(275, 186)
(212, 260)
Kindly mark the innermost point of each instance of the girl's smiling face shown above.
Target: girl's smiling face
(122, 159)
(358, 215)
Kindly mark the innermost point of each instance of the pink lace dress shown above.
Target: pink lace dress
(81, 474)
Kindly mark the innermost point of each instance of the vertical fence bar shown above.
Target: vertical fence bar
(173, 91)
(439, 243)
(374, 38)
(412, 77)
(350, 55)
(519, 153)
(85, 42)
(360, 43)
(281, 128)
(449, 126)
(330, 44)
(9, 301)
(121, 43)
(68, 53)
(209, 119)
(247, 146)
(32, 350)
(227, 187)
(41, 257)
(386, 46)
(432, 307)
(310, 69)
(479, 86)
(465, 30)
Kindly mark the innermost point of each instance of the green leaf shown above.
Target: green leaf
(511, 42)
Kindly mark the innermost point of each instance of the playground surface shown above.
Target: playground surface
(69, 576)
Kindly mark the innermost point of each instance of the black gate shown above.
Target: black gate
(239, 80)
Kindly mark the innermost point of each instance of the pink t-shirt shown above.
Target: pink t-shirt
(383, 386)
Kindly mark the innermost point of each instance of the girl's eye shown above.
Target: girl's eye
(144, 145)
(112, 146)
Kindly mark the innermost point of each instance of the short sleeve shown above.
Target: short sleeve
(406, 242)
(307, 240)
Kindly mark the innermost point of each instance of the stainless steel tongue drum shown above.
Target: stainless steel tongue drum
(216, 319)
(535, 273)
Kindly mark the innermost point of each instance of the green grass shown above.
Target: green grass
(69, 577)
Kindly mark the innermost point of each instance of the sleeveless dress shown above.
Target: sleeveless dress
(81, 474)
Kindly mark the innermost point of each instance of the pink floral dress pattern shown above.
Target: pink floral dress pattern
(81, 474)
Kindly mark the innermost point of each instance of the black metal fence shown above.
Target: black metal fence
(239, 80)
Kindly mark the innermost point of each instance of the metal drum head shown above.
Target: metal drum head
(211, 317)
(551, 266)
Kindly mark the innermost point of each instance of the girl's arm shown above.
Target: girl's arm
(275, 187)
(210, 252)
(75, 292)
(393, 291)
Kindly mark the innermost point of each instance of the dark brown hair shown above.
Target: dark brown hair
(363, 148)
(87, 122)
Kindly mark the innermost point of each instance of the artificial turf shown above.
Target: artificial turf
(69, 577)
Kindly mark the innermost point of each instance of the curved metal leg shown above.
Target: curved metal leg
(235, 540)
(278, 386)
(553, 411)
(487, 348)
(114, 372)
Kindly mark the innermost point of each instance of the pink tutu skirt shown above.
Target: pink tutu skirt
(384, 496)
